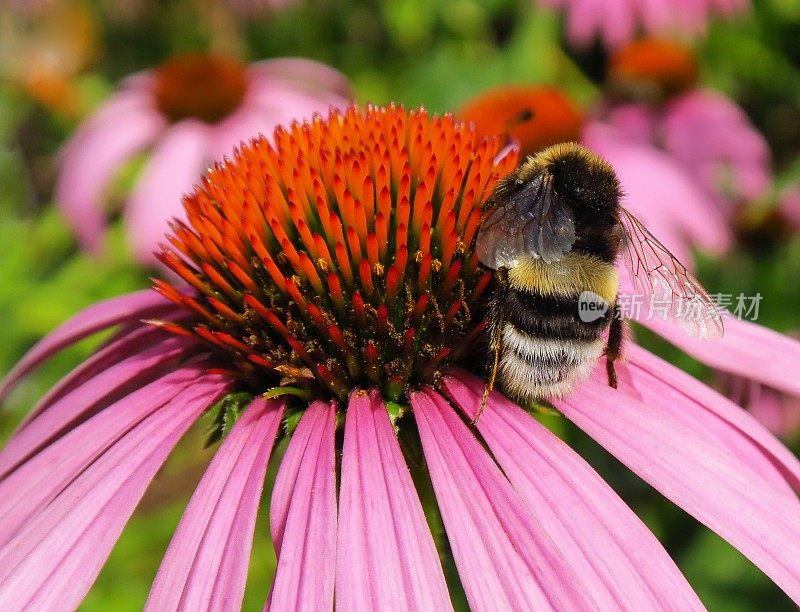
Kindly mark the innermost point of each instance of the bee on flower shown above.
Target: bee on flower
(331, 294)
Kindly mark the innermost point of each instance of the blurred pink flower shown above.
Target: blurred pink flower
(711, 137)
(191, 110)
(530, 524)
(777, 411)
(789, 206)
(616, 22)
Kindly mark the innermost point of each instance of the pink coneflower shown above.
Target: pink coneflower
(331, 274)
(189, 111)
(615, 22)
(706, 132)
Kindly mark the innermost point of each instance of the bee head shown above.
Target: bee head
(582, 178)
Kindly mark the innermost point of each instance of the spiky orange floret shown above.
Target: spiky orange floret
(341, 253)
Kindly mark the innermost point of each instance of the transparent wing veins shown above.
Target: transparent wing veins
(674, 292)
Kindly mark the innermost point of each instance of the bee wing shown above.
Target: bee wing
(657, 273)
(532, 221)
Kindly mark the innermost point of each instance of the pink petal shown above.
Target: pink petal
(283, 102)
(54, 559)
(616, 556)
(739, 431)
(304, 71)
(37, 481)
(504, 559)
(139, 305)
(385, 555)
(583, 21)
(124, 125)
(247, 123)
(655, 15)
(746, 350)
(106, 388)
(618, 24)
(174, 167)
(708, 132)
(689, 468)
(130, 341)
(303, 515)
(633, 121)
(205, 567)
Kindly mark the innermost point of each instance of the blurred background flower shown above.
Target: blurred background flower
(190, 111)
(615, 22)
(43, 48)
(655, 82)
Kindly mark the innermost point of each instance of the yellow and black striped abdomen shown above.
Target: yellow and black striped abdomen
(547, 346)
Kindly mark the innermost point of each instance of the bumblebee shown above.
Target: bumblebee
(554, 231)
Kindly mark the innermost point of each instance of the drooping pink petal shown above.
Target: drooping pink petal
(715, 415)
(138, 305)
(633, 121)
(53, 560)
(583, 21)
(36, 482)
(123, 126)
(131, 341)
(779, 413)
(504, 559)
(656, 15)
(741, 351)
(283, 102)
(176, 164)
(246, 123)
(616, 556)
(716, 141)
(303, 515)
(303, 71)
(205, 567)
(106, 388)
(688, 467)
(615, 22)
(385, 555)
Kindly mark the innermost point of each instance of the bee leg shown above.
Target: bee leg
(614, 345)
(498, 315)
